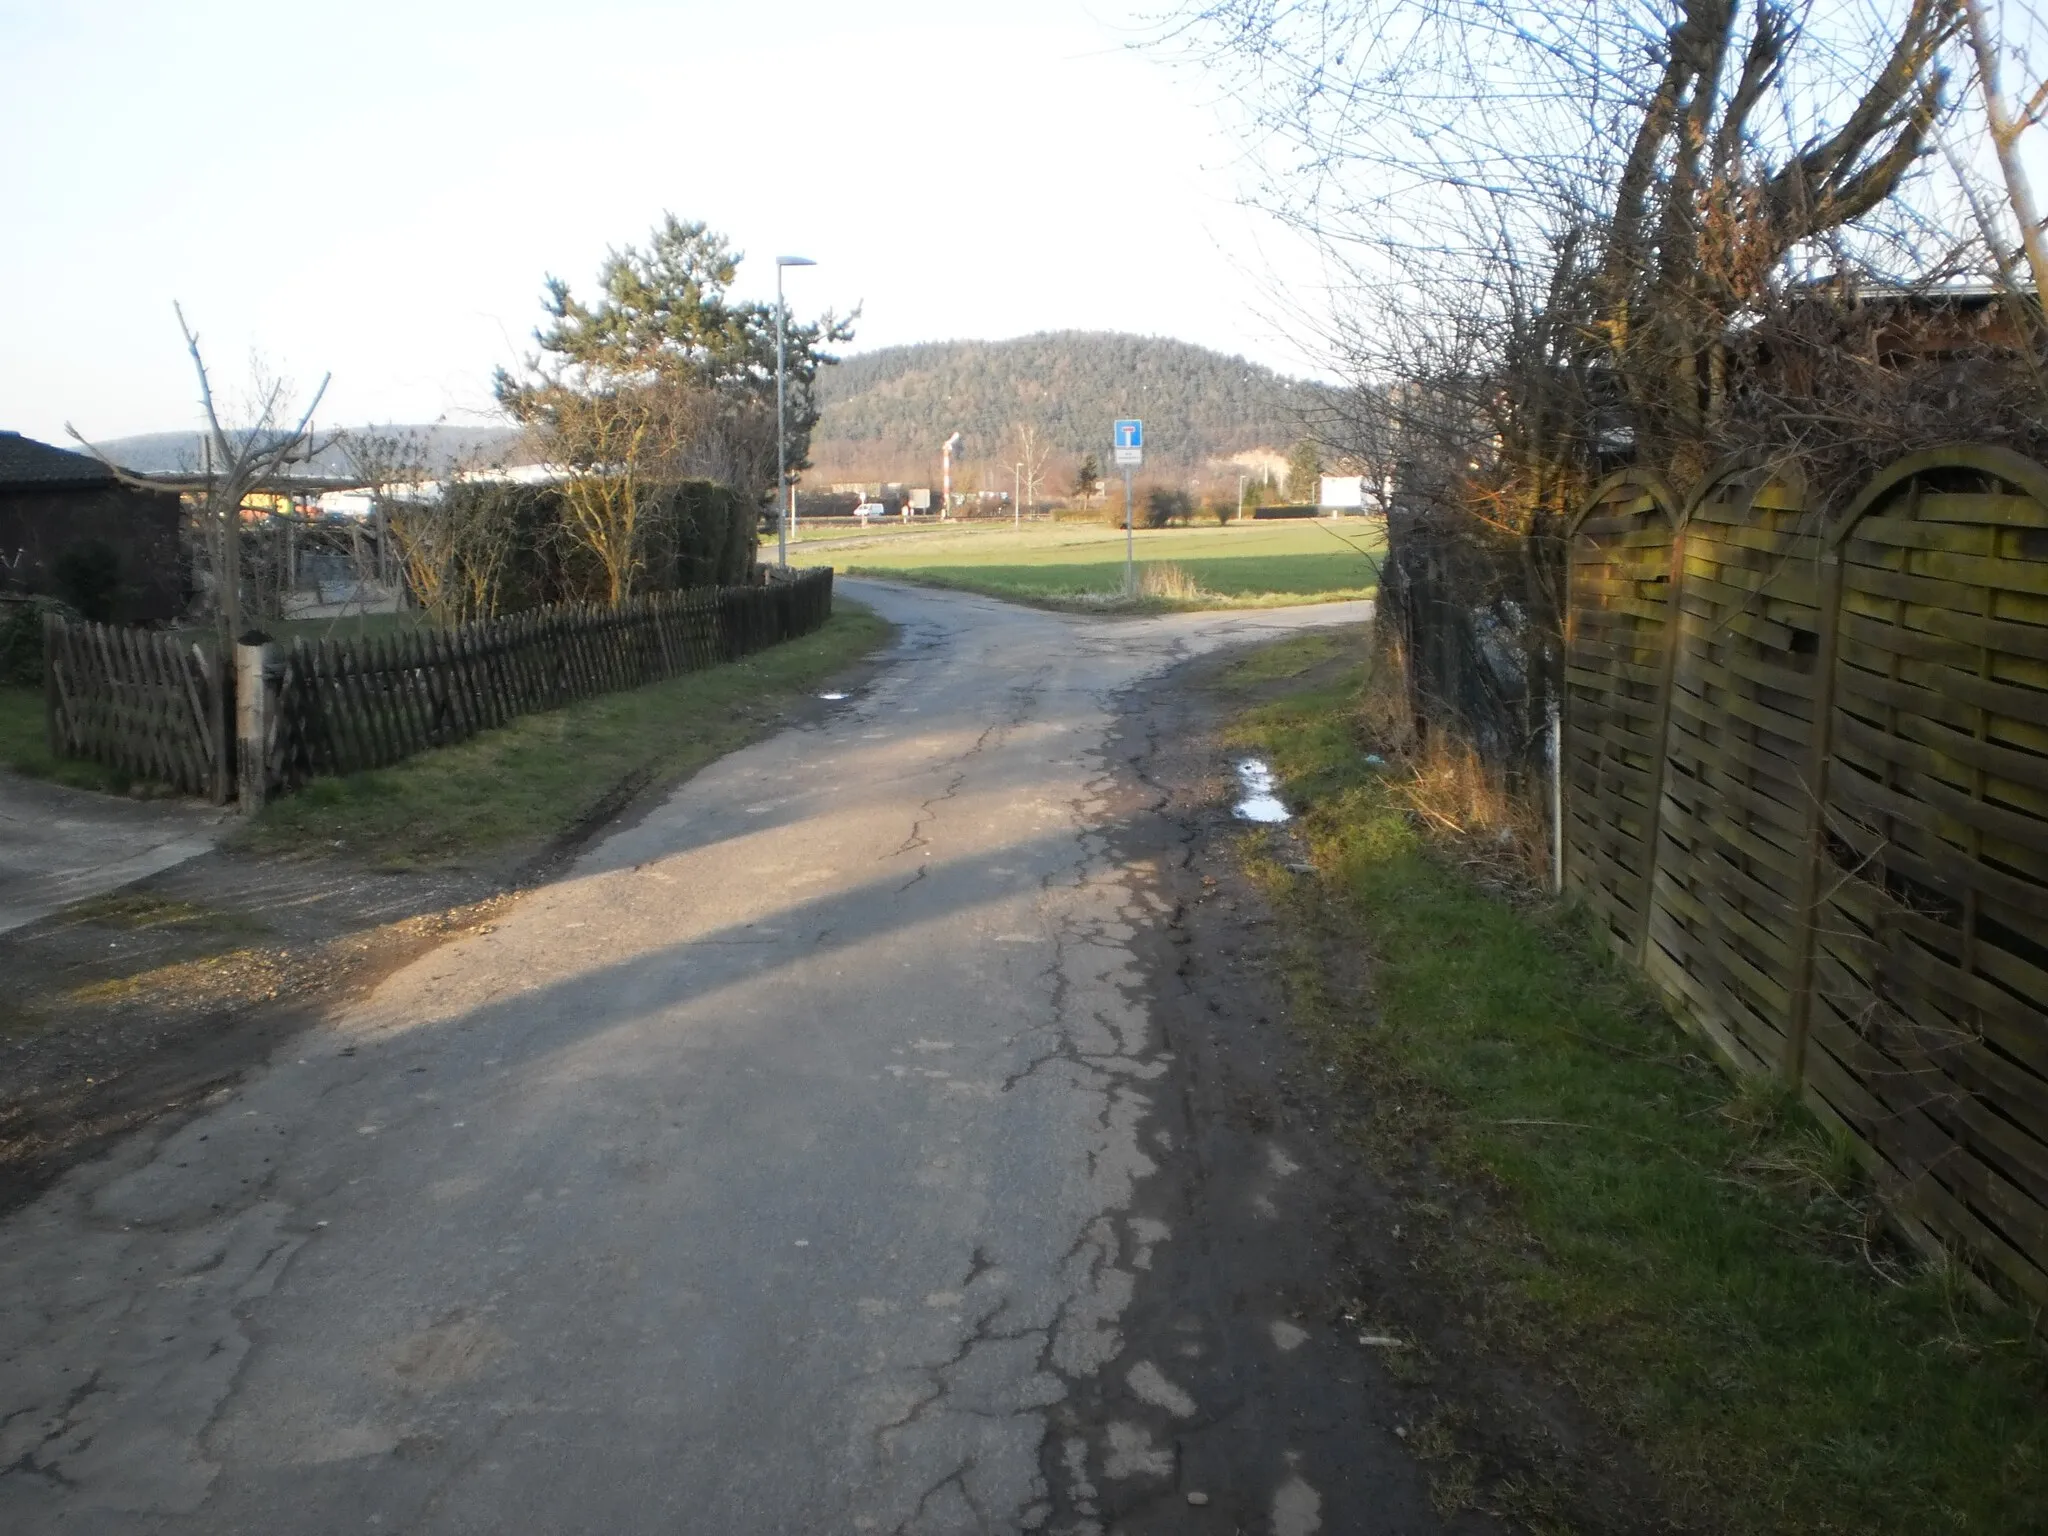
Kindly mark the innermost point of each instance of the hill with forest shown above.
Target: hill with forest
(896, 405)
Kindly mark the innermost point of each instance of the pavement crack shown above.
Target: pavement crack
(1025, 696)
(977, 1266)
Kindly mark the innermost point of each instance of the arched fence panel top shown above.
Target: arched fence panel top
(1967, 482)
(1625, 493)
(1764, 481)
(1735, 810)
(1620, 554)
(1931, 961)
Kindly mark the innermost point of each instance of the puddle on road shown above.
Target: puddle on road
(1260, 800)
(832, 698)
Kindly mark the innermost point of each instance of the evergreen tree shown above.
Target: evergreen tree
(1304, 473)
(663, 324)
(1088, 479)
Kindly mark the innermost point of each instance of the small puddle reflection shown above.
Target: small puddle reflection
(832, 698)
(1261, 800)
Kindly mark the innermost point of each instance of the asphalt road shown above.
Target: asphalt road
(778, 1169)
(61, 845)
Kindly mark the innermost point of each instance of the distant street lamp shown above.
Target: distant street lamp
(785, 493)
(1017, 499)
(946, 452)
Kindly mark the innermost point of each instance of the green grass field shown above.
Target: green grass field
(1082, 565)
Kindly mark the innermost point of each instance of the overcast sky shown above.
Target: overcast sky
(376, 189)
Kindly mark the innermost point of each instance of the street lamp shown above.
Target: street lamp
(947, 449)
(1017, 499)
(783, 492)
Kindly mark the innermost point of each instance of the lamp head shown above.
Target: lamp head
(794, 261)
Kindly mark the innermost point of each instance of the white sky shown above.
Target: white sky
(376, 189)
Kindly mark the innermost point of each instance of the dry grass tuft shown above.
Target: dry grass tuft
(1463, 806)
(1163, 581)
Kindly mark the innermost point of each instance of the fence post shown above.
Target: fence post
(1811, 892)
(1556, 795)
(1660, 732)
(255, 707)
(50, 700)
(219, 681)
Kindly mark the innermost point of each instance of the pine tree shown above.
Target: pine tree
(1088, 479)
(1304, 473)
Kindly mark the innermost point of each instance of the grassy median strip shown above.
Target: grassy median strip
(1699, 1259)
(515, 791)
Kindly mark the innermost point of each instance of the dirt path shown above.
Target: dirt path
(1394, 1412)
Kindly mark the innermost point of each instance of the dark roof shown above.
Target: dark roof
(25, 462)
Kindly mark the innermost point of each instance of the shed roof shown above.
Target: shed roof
(26, 462)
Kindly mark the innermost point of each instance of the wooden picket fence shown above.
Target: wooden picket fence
(159, 707)
(147, 703)
(1806, 766)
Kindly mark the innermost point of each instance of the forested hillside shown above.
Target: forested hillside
(898, 404)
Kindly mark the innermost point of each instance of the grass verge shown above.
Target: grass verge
(25, 747)
(517, 790)
(1696, 1257)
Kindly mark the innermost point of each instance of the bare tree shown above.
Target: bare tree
(614, 447)
(456, 547)
(237, 462)
(387, 464)
(1032, 455)
(1554, 233)
(2007, 121)
(1607, 189)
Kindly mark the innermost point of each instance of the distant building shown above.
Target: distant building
(1341, 493)
(70, 529)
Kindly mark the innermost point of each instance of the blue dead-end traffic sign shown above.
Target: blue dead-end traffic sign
(1130, 434)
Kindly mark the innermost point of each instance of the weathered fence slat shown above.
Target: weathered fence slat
(1844, 874)
(139, 702)
(156, 706)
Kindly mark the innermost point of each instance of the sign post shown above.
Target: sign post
(1128, 445)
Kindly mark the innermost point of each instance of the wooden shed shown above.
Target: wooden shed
(70, 529)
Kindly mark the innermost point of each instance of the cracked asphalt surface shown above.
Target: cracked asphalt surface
(808, 1158)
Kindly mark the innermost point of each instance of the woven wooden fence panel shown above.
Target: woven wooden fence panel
(146, 703)
(1849, 756)
(1738, 803)
(1616, 658)
(1929, 1031)
(345, 706)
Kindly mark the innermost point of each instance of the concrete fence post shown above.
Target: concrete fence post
(255, 709)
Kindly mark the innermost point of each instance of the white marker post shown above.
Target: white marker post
(1127, 442)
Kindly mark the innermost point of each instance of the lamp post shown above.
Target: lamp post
(784, 495)
(1240, 498)
(1017, 497)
